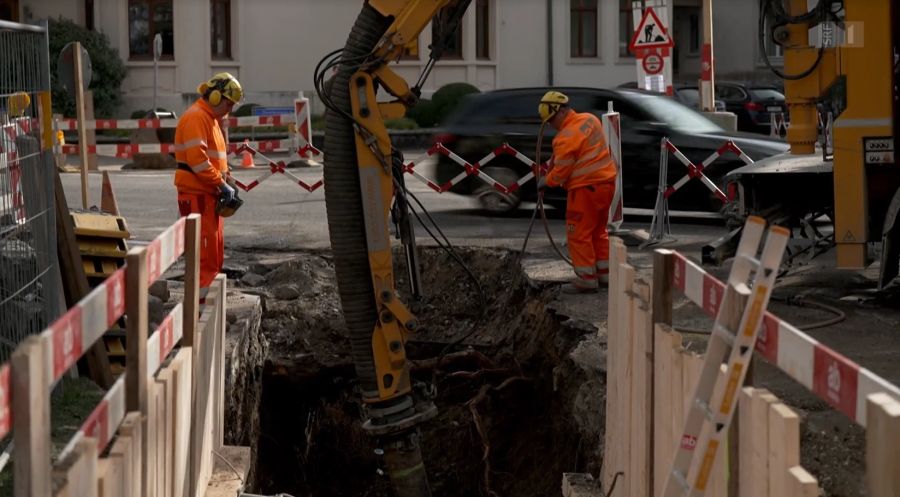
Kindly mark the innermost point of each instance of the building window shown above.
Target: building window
(694, 42)
(626, 28)
(584, 28)
(454, 47)
(483, 29)
(220, 29)
(146, 18)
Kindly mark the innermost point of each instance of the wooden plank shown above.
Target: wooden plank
(219, 367)
(784, 447)
(76, 475)
(611, 436)
(165, 426)
(759, 474)
(29, 369)
(150, 462)
(718, 482)
(663, 436)
(203, 428)
(623, 403)
(642, 375)
(882, 447)
(802, 484)
(131, 427)
(746, 442)
(191, 279)
(121, 453)
(136, 378)
(182, 417)
(663, 272)
(109, 478)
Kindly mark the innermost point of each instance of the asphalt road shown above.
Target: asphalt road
(279, 215)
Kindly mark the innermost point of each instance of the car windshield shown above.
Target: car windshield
(676, 115)
(766, 94)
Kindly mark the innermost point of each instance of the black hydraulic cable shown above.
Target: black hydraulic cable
(839, 316)
(763, 32)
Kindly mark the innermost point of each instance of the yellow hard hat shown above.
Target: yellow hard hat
(221, 85)
(550, 104)
(18, 103)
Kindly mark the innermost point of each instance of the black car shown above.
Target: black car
(753, 104)
(485, 121)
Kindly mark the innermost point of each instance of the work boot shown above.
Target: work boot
(579, 285)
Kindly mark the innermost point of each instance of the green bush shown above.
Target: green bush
(108, 69)
(423, 113)
(448, 97)
(402, 123)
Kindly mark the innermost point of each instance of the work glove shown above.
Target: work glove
(227, 192)
(230, 181)
(542, 183)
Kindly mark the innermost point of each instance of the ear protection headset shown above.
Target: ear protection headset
(222, 85)
(551, 103)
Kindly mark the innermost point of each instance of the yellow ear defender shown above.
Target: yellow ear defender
(550, 104)
(222, 85)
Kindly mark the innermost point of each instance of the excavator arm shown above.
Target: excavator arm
(361, 181)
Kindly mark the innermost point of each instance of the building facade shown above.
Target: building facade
(273, 46)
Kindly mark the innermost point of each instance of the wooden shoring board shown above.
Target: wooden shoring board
(641, 332)
(784, 447)
(882, 447)
(76, 475)
(613, 365)
(181, 365)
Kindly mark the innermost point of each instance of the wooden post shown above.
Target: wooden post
(626, 367)
(707, 67)
(90, 134)
(219, 365)
(784, 447)
(663, 271)
(191, 279)
(31, 418)
(131, 427)
(136, 378)
(882, 449)
(614, 362)
(82, 132)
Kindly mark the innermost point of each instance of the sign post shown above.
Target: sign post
(652, 47)
(157, 51)
(707, 69)
(82, 131)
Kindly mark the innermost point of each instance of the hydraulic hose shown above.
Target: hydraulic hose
(343, 202)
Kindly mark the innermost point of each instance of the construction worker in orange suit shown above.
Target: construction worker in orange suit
(581, 164)
(202, 178)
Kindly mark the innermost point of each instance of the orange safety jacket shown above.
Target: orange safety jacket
(200, 146)
(580, 153)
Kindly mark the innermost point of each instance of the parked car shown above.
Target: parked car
(753, 103)
(485, 121)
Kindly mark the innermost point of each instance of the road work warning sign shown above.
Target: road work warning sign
(650, 33)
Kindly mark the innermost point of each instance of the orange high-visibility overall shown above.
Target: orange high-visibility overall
(201, 154)
(583, 166)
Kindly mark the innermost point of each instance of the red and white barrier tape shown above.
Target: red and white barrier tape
(696, 170)
(840, 382)
(72, 124)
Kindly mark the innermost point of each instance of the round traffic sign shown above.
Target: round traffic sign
(65, 68)
(653, 64)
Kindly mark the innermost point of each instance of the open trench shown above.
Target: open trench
(518, 386)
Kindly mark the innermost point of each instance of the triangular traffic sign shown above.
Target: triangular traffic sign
(650, 33)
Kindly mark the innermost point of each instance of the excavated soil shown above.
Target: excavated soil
(517, 404)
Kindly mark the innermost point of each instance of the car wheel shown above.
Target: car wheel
(494, 201)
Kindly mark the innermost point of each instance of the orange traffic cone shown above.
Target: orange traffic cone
(246, 159)
(108, 203)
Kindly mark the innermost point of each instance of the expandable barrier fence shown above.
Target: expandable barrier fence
(653, 377)
(30, 293)
(660, 226)
(161, 421)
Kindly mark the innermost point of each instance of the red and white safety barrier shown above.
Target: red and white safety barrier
(778, 125)
(274, 168)
(612, 127)
(303, 118)
(696, 170)
(230, 122)
(834, 378)
(9, 164)
(127, 151)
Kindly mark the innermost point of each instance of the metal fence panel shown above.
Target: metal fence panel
(30, 293)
